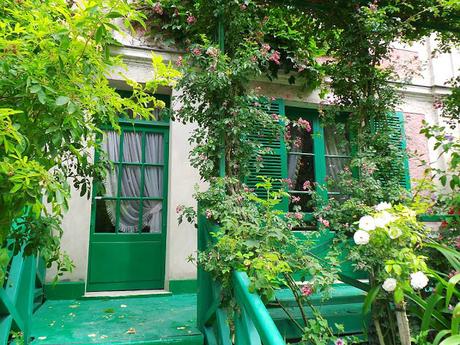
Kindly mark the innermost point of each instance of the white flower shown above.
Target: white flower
(367, 223)
(382, 206)
(389, 285)
(418, 280)
(361, 237)
(394, 232)
(383, 219)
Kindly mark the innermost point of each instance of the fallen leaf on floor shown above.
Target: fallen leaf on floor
(109, 310)
(131, 331)
(72, 314)
(181, 327)
(123, 305)
(92, 335)
(41, 338)
(52, 323)
(73, 306)
(104, 336)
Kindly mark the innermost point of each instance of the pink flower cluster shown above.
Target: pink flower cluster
(287, 181)
(191, 19)
(304, 124)
(196, 51)
(213, 52)
(306, 185)
(324, 222)
(295, 199)
(307, 290)
(275, 57)
(179, 61)
(180, 208)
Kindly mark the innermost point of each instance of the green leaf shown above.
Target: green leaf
(452, 340)
(455, 319)
(35, 88)
(440, 336)
(450, 288)
(61, 100)
(370, 297)
(398, 295)
(431, 303)
(99, 33)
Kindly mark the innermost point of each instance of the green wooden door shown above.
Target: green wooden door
(129, 208)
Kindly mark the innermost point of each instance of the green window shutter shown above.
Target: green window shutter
(395, 122)
(275, 162)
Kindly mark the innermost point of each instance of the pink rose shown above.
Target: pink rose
(275, 117)
(196, 51)
(325, 223)
(298, 215)
(179, 61)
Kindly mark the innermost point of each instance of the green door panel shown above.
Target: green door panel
(121, 258)
(123, 263)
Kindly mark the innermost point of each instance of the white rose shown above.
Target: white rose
(361, 237)
(389, 284)
(394, 232)
(382, 206)
(367, 223)
(383, 219)
(418, 280)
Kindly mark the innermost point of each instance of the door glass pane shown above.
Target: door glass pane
(109, 186)
(105, 216)
(111, 145)
(131, 181)
(152, 218)
(129, 216)
(154, 150)
(300, 170)
(132, 147)
(153, 182)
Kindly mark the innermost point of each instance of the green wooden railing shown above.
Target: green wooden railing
(253, 324)
(21, 294)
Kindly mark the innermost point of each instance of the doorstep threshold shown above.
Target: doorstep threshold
(121, 294)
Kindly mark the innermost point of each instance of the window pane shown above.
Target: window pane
(111, 145)
(154, 148)
(105, 216)
(152, 218)
(302, 141)
(110, 185)
(335, 165)
(336, 141)
(131, 181)
(132, 147)
(153, 182)
(300, 170)
(303, 202)
(129, 216)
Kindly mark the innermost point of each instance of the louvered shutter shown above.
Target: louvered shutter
(395, 122)
(275, 162)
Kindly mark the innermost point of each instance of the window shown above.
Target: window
(314, 156)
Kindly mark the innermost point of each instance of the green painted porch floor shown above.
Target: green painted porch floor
(118, 321)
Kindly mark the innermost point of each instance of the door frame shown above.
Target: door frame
(130, 126)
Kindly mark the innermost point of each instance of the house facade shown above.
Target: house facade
(127, 237)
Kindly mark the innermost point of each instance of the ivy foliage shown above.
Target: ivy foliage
(54, 94)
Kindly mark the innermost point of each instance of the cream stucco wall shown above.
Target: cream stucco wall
(418, 98)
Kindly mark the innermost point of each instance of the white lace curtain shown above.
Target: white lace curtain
(131, 180)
